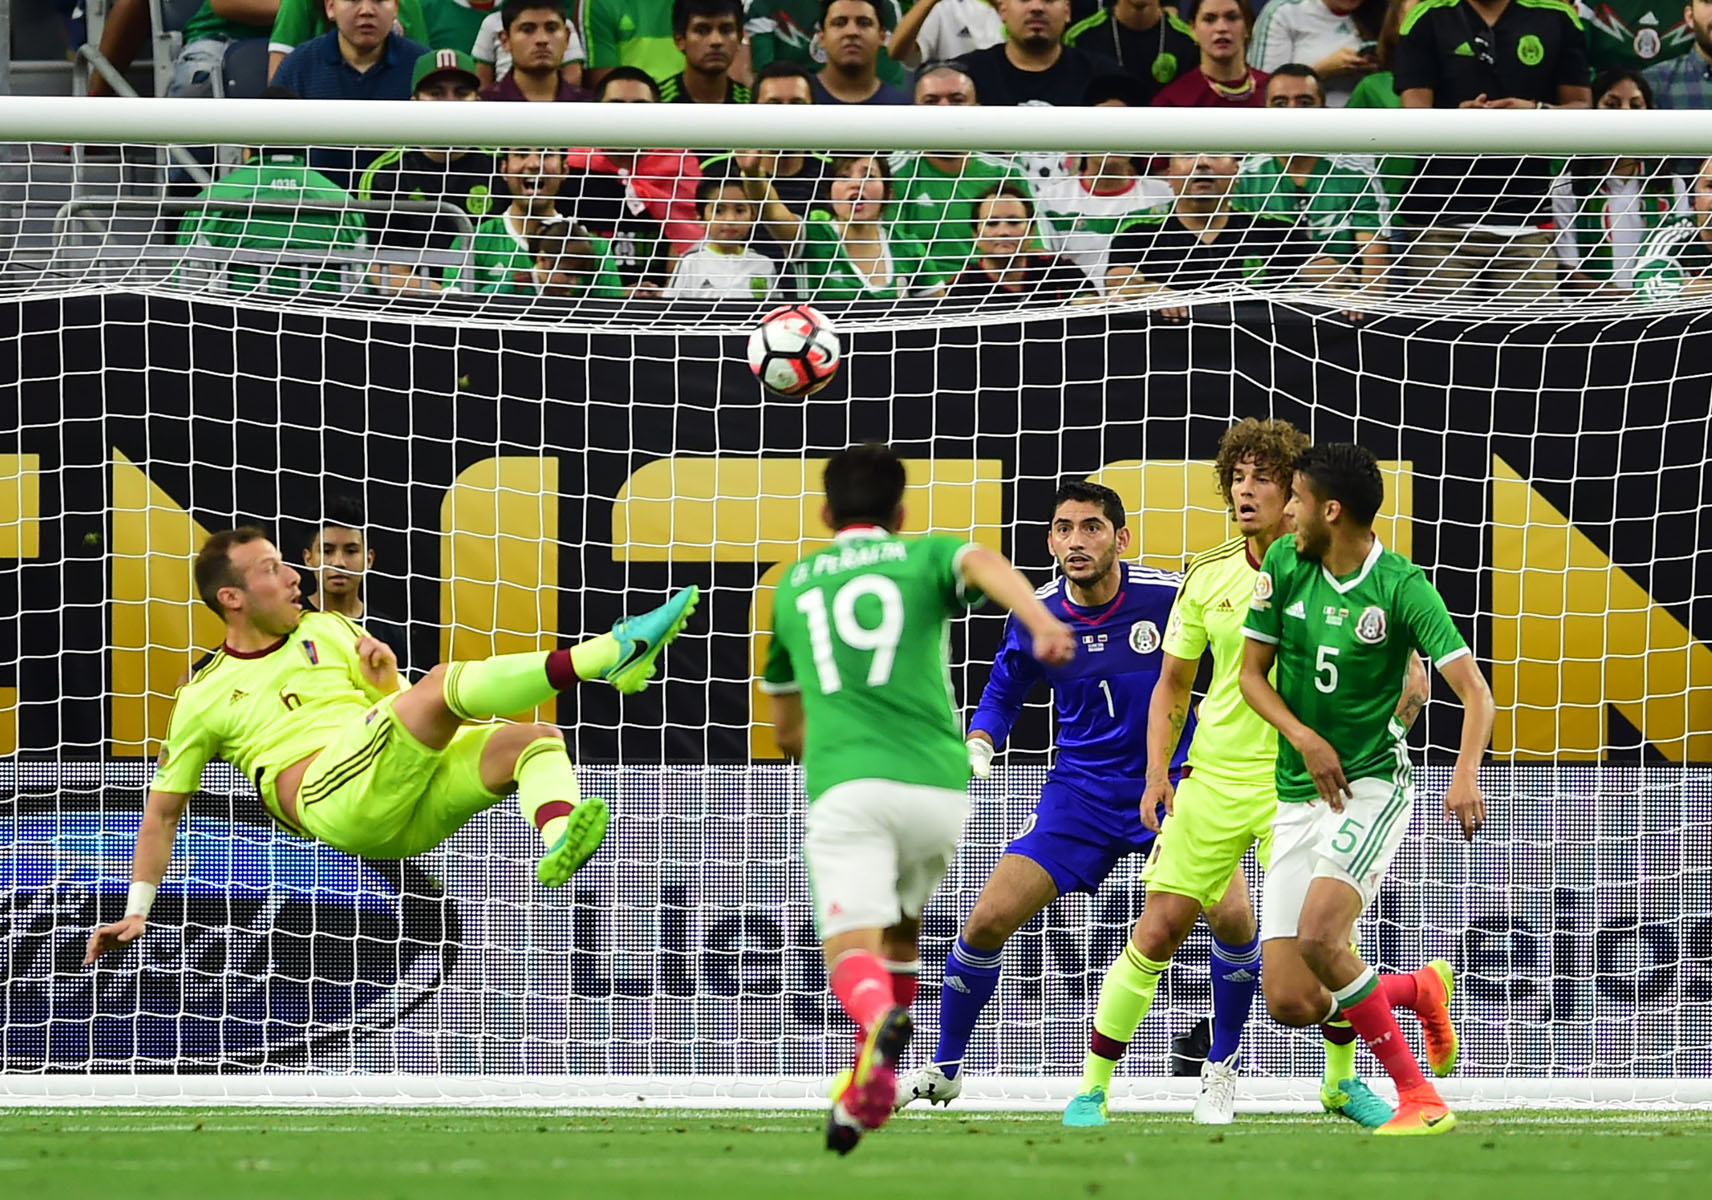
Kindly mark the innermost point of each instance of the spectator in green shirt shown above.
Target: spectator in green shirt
(566, 265)
(937, 190)
(500, 250)
(789, 31)
(1336, 200)
(847, 249)
(629, 33)
(1676, 262)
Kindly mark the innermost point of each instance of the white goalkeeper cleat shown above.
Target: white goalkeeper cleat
(928, 1083)
(1216, 1104)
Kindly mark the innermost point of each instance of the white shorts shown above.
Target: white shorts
(875, 850)
(1310, 841)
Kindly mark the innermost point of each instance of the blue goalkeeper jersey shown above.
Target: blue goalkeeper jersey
(1101, 698)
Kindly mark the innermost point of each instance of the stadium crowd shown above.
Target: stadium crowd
(585, 222)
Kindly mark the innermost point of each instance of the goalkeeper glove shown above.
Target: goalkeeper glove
(980, 757)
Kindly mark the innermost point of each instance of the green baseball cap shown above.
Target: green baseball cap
(436, 61)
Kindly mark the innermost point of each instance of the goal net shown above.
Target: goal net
(533, 393)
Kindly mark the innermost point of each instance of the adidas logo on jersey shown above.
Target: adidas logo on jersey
(237, 695)
(1296, 610)
(1224, 605)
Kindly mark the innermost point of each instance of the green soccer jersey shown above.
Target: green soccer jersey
(827, 273)
(263, 712)
(500, 258)
(1232, 743)
(1676, 254)
(1634, 34)
(1339, 199)
(630, 33)
(936, 208)
(207, 23)
(789, 30)
(861, 630)
(281, 179)
(1343, 645)
(299, 20)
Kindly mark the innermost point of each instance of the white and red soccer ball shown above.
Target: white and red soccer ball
(794, 350)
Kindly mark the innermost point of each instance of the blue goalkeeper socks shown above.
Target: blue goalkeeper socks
(971, 976)
(1236, 975)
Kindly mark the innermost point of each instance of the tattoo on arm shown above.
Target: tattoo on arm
(1409, 708)
(1179, 716)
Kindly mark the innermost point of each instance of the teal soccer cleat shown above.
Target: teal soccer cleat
(640, 640)
(1355, 1100)
(1087, 1111)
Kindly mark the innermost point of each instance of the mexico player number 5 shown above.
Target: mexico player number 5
(881, 640)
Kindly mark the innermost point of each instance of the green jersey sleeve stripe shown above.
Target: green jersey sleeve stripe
(1452, 656)
(1258, 636)
(778, 689)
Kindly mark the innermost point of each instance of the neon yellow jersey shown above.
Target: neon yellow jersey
(1232, 742)
(265, 711)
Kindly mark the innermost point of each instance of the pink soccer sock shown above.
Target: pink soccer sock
(906, 981)
(1372, 1018)
(863, 987)
(1400, 991)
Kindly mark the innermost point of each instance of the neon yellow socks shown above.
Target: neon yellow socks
(594, 656)
(546, 786)
(497, 686)
(1340, 1056)
(1126, 994)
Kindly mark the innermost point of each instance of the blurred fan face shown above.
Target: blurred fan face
(1203, 176)
(784, 89)
(341, 558)
(730, 216)
(1700, 20)
(709, 43)
(852, 34)
(859, 191)
(534, 177)
(627, 91)
(946, 88)
(1293, 91)
(1702, 198)
(1624, 94)
(537, 40)
(1004, 228)
(448, 85)
(1035, 24)
(1220, 29)
(363, 23)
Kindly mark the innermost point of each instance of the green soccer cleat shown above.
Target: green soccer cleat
(1435, 984)
(584, 829)
(1087, 1111)
(640, 640)
(1353, 1099)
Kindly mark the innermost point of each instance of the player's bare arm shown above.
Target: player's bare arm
(1416, 692)
(788, 724)
(161, 814)
(1320, 760)
(992, 575)
(1167, 713)
(1463, 799)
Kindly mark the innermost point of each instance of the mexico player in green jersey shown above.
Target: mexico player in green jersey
(312, 710)
(1339, 614)
(861, 690)
(1223, 805)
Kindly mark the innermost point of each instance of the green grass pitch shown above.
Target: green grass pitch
(343, 1154)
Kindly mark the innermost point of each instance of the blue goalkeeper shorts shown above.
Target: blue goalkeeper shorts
(1078, 835)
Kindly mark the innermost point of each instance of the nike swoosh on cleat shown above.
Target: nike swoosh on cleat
(1429, 1122)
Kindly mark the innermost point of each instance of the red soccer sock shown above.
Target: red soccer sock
(906, 981)
(1400, 991)
(1371, 1016)
(863, 987)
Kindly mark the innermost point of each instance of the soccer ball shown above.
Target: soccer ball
(794, 350)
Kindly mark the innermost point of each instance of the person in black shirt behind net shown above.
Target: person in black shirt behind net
(1032, 65)
(1202, 242)
(467, 180)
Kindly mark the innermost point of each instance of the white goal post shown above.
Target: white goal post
(528, 471)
